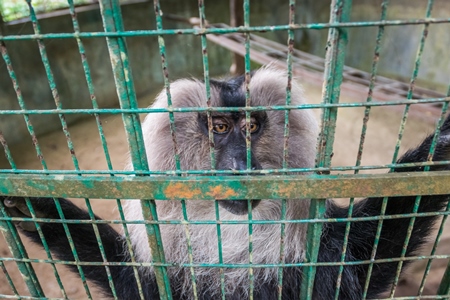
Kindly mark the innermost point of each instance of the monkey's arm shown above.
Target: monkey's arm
(362, 234)
(85, 243)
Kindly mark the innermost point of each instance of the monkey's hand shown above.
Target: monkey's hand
(17, 207)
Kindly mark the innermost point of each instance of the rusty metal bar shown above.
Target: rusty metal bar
(227, 187)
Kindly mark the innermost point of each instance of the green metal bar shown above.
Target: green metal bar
(444, 286)
(189, 247)
(38, 151)
(239, 266)
(250, 29)
(376, 58)
(90, 85)
(13, 240)
(412, 81)
(219, 247)
(52, 84)
(165, 71)
(375, 246)
(72, 247)
(227, 222)
(112, 22)
(221, 109)
(232, 187)
(206, 78)
(426, 169)
(400, 135)
(130, 247)
(87, 73)
(8, 278)
(46, 248)
(219, 172)
(100, 246)
(248, 143)
(21, 102)
(201, 7)
(334, 65)
(290, 45)
(17, 249)
(58, 105)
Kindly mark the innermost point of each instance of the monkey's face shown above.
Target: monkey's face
(230, 144)
(265, 144)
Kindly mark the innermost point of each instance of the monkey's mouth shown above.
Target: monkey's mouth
(238, 207)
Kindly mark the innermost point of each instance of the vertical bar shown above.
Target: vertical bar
(375, 61)
(236, 20)
(21, 102)
(413, 80)
(444, 286)
(52, 84)
(334, 64)
(201, 7)
(45, 245)
(165, 71)
(204, 41)
(34, 139)
(400, 135)
(112, 22)
(248, 143)
(17, 249)
(14, 242)
(8, 278)
(90, 85)
(219, 246)
(290, 44)
(55, 94)
(189, 247)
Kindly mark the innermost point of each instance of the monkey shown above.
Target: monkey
(229, 129)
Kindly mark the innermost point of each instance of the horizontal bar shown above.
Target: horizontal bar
(227, 265)
(286, 171)
(200, 31)
(219, 109)
(230, 222)
(227, 187)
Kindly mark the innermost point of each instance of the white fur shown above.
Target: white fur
(267, 87)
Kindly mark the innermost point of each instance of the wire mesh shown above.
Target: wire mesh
(183, 184)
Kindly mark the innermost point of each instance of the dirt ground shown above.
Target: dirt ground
(380, 140)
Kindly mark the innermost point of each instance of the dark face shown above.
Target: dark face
(229, 130)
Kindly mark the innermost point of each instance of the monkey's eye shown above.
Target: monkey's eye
(220, 128)
(253, 127)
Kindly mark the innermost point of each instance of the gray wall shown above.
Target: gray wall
(398, 53)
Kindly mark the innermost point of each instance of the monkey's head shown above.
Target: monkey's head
(267, 88)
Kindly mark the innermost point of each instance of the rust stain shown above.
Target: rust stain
(220, 192)
(285, 191)
(179, 191)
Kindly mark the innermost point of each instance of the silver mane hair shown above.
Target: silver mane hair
(267, 88)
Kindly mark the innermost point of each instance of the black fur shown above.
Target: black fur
(360, 243)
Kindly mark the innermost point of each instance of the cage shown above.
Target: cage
(367, 76)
